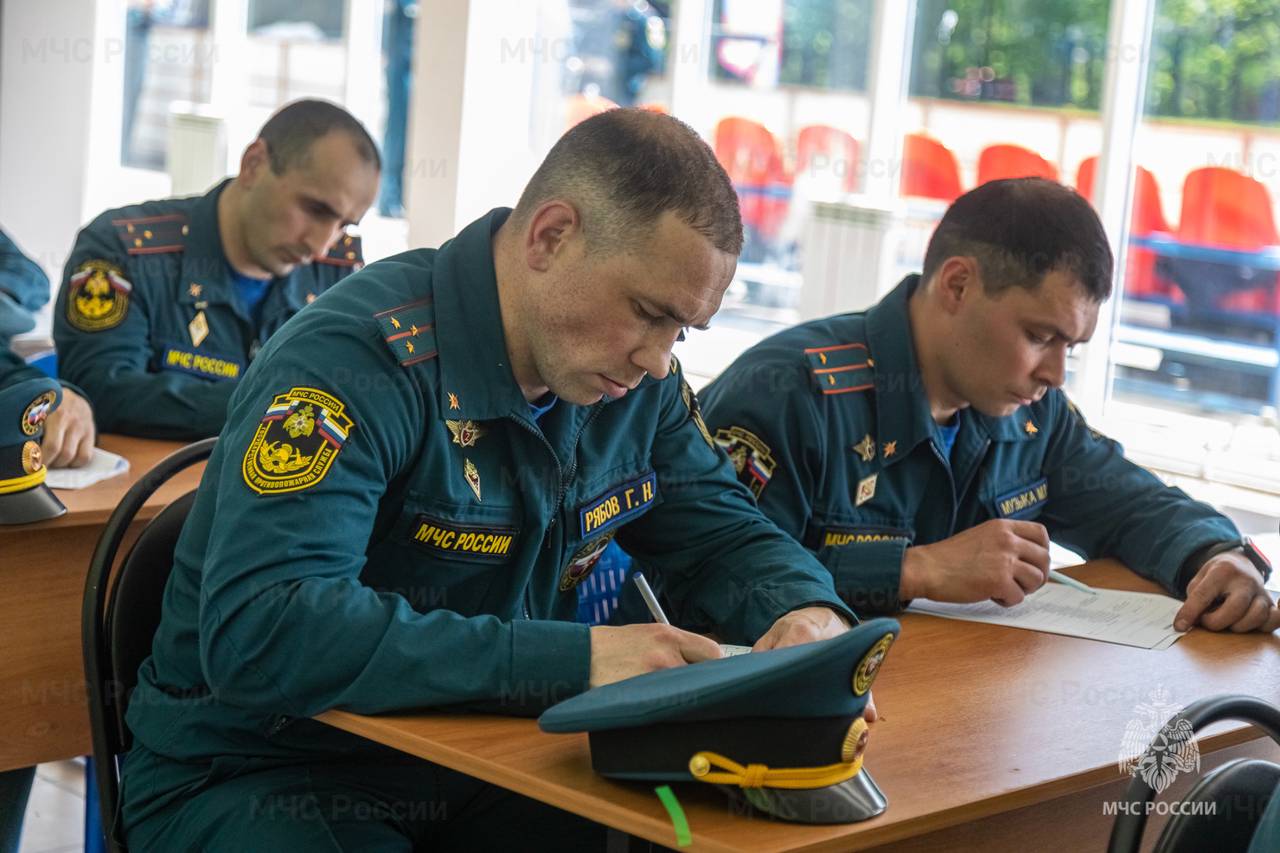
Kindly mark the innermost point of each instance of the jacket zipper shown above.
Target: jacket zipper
(564, 483)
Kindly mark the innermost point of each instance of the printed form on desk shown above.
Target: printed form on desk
(1139, 619)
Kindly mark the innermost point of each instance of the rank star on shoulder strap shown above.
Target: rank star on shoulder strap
(409, 331)
(153, 235)
(841, 368)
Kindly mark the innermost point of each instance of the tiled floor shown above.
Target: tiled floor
(55, 814)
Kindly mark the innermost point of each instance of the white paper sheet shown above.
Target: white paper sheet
(1139, 619)
(102, 466)
(729, 650)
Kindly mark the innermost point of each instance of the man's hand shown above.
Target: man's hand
(1243, 604)
(1002, 559)
(69, 433)
(626, 650)
(805, 625)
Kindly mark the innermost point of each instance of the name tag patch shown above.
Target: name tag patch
(840, 537)
(199, 364)
(480, 543)
(619, 504)
(1023, 501)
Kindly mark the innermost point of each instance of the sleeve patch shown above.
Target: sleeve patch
(695, 411)
(296, 443)
(751, 457)
(409, 331)
(98, 297)
(153, 235)
(841, 369)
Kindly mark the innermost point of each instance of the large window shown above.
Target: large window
(1195, 371)
(1028, 52)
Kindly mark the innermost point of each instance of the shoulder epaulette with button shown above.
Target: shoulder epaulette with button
(344, 253)
(153, 235)
(841, 368)
(409, 331)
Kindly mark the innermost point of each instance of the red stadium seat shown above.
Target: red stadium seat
(929, 169)
(828, 153)
(1141, 280)
(1013, 161)
(752, 157)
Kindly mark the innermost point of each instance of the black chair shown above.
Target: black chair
(120, 616)
(1222, 809)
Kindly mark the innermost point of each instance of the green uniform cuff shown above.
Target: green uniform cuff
(868, 577)
(550, 661)
(769, 604)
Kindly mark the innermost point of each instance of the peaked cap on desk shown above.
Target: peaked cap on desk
(24, 496)
(782, 730)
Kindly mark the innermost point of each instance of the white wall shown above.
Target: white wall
(61, 67)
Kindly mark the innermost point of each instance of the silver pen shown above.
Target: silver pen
(650, 600)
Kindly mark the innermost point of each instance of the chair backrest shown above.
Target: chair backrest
(1222, 207)
(929, 169)
(752, 157)
(1148, 213)
(997, 162)
(1246, 781)
(120, 615)
(829, 154)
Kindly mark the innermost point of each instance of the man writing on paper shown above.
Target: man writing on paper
(923, 448)
(163, 304)
(414, 477)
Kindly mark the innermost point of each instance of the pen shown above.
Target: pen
(650, 600)
(1055, 575)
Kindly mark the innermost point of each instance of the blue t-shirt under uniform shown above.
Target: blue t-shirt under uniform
(250, 291)
(949, 433)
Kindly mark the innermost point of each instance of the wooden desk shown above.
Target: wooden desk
(992, 738)
(43, 711)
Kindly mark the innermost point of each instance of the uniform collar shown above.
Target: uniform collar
(476, 381)
(903, 418)
(903, 414)
(204, 264)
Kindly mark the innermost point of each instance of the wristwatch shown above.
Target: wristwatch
(1259, 560)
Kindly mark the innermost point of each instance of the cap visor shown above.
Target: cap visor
(850, 801)
(35, 504)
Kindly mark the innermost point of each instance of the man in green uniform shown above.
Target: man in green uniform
(163, 304)
(923, 448)
(24, 289)
(416, 474)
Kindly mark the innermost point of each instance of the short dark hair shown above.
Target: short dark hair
(1019, 229)
(624, 168)
(291, 130)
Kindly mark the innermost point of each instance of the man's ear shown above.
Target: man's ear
(254, 163)
(956, 281)
(551, 231)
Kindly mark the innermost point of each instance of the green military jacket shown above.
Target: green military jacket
(13, 369)
(383, 524)
(829, 425)
(148, 321)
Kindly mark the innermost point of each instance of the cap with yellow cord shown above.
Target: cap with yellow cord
(781, 730)
(24, 496)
